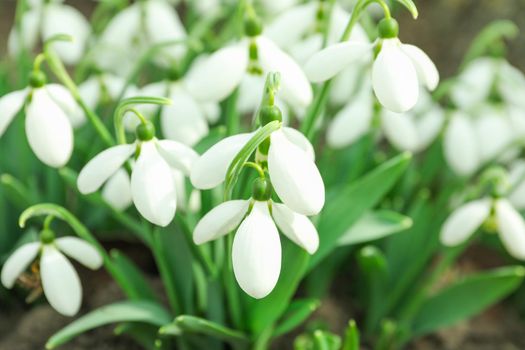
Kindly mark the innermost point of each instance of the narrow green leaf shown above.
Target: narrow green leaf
(466, 298)
(409, 4)
(192, 324)
(244, 154)
(126, 311)
(375, 225)
(297, 313)
(349, 203)
(351, 340)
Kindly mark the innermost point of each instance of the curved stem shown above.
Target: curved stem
(257, 167)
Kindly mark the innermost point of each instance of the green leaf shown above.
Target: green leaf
(297, 313)
(375, 225)
(192, 324)
(347, 205)
(409, 4)
(351, 340)
(466, 298)
(126, 311)
(244, 154)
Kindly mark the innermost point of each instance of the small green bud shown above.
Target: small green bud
(268, 114)
(37, 79)
(47, 236)
(253, 26)
(174, 72)
(388, 28)
(253, 51)
(262, 189)
(145, 131)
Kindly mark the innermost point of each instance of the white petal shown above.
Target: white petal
(295, 176)
(517, 181)
(352, 122)
(512, 229)
(511, 84)
(63, 19)
(460, 145)
(212, 112)
(494, 133)
(177, 155)
(216, 78)
(210, 169)
(89, 90)
(18, 262)
(290, 26)
(250, 93)
(303, 50)
(256, 253)
(295, 87)
(162, 25)
(10, 105)
(429, 125)
(65, 100)
(348, 84)
(184, 120)
(400, 130)
(81, 251)
(117, 190)
(297, 138)
(328, 62)
(152, 186)
(102, 166)
(60, 282)
(426, 69)
(220, 221)
(30, 25)
(298, 228)
(48, 130)
(474, 83)
(464, 221)
(394, 78)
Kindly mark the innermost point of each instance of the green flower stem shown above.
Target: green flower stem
(313, 113)
(256, 167)
(57, 67)
(233, 118)
(80, 230)
(231, 287)
(165, 272)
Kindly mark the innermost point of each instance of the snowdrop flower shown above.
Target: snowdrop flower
(471, 142)
(47, 19)
(102, 87)
(186, 120)
(466, 219)
(51, 112)
(484, 76)
(60, 281)
(152, 183)
(291, 166)
(222, 72)
(398, 70)
(117, 190)
(135, 29)
(256, 253)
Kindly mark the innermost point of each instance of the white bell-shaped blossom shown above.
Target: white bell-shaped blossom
(466, 219)
(45, 19)
(471, 141)
(476, 83)
(397, 74)
(50, 114)
(222, 72)
(256, 253)
(60, 281)
(152, 182)
(134, 30)
(291, 165)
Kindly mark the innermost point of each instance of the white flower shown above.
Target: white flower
(398, 70)
(291, 165)
(223, 71)
(94, 89)
(152, 183)
(134, 30)
(256, 253)
(51, 112)
(60, 282)
(475, 83)
(466, 219)
(48, 20)
(471, 142)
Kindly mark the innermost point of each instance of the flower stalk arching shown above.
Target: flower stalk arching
(126, 105)
(57, 67)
